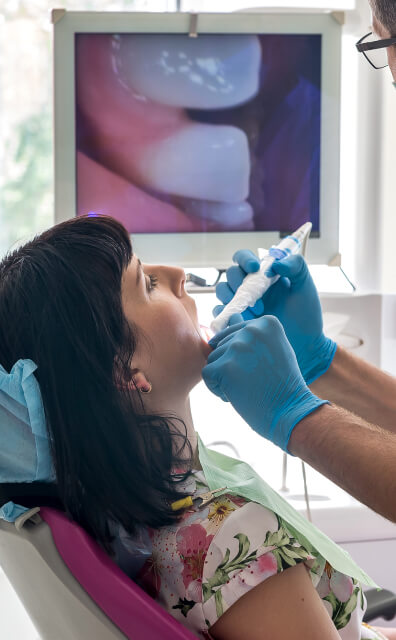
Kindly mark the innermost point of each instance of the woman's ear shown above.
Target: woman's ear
(139, 382)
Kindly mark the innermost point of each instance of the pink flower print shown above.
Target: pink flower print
(214, 557)
(255, 572)
(149, 576)
(323, 587)
(194, 590)
(340, 584)
(267, 565)
(237, 500)
(192, 544)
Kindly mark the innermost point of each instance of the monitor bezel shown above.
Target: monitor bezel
(203, 249)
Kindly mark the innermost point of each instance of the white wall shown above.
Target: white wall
(360, 216)
(388, 185)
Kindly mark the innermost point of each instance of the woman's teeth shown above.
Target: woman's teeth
(209, 72)
(231, 214)
(202, 161)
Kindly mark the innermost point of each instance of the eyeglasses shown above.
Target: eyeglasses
(374, 50)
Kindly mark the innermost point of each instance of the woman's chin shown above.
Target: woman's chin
(206, 334)
(206, 348)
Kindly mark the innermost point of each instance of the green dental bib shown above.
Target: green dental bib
(240, 479)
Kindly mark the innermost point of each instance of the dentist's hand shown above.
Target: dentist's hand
(254, 367)
(294, 300)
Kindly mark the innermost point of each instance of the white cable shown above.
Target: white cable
(306, 492)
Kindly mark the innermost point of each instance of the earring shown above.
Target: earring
(146, 389)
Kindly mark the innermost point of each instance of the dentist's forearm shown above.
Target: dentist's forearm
(359, 387)
(358, 456)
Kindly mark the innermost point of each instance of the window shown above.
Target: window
(26, 157)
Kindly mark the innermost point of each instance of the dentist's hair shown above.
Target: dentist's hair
(385, 12)
(60, 305)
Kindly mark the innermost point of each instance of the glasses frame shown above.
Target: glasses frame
(369, 46)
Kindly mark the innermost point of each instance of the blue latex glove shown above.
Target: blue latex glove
(294, 301)
(254, 367)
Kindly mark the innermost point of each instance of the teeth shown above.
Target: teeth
(208, 72)
(209, 162)
(228, 214)
(201, 161)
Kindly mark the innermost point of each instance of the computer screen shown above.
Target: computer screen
(199, 144)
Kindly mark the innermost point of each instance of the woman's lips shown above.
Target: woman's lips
(206, 332)
(102, 191)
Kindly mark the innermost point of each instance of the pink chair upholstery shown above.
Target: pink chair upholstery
(135, 613)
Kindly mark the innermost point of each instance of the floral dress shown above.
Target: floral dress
(202, 565)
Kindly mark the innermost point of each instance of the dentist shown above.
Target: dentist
(344, 423)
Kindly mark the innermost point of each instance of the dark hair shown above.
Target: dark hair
(60, 305)
(385, 12)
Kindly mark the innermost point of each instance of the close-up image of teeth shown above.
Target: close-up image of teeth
(215, 133)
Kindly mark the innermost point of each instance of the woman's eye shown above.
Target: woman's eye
(151, 283)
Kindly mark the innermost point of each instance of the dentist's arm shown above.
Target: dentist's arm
(361, 388)
(356, 455)
(254, 367)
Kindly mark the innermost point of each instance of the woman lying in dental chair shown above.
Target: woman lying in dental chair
(118, 349)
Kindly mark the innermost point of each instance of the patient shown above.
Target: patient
(118, 349)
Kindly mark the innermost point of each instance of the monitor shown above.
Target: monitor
(201, 134)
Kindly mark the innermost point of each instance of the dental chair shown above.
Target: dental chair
(70, 587)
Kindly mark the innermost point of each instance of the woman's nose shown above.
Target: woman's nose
(173, 277)
(177, 278)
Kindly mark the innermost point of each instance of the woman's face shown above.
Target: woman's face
(171, 351)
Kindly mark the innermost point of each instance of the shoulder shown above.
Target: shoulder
(285, 606)
(251, 545)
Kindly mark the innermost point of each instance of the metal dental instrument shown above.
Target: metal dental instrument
(189, 501)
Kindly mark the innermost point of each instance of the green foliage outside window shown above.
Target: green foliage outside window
(26, 200)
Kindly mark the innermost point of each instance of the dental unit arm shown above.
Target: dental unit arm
(256, 284)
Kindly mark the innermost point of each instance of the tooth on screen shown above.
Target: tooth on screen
(229, 214)
(208, 162)
(208, 72)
